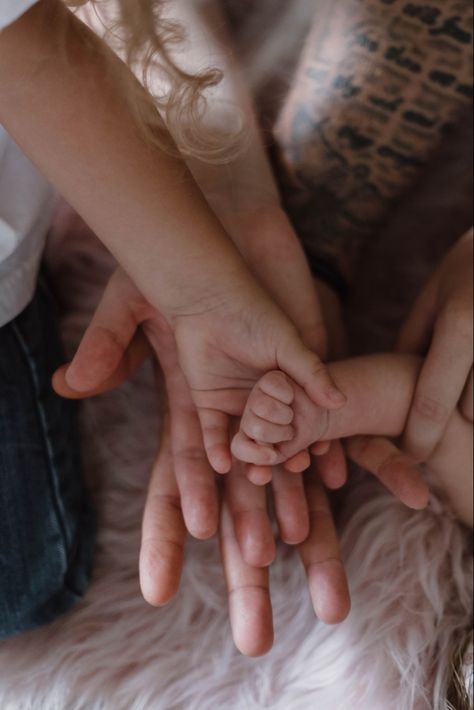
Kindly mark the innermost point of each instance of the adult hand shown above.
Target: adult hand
(440, 325)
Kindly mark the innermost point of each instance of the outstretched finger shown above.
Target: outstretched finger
(106, 339)
(331, 466)
(193, 473)
(250, 608)
(396, 471)
(321, 557)
(440, 384)
(247, 504)
(163, 530)
(291, 507)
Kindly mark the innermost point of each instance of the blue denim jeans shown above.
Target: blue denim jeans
(46, 522)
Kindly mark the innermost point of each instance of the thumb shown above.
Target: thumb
(107, 337)
(307, 370)
(138, 351)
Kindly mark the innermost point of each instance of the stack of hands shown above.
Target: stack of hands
(236, 371)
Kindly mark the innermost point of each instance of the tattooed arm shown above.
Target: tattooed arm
(378, 84)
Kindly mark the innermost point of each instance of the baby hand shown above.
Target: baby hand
(278, 424)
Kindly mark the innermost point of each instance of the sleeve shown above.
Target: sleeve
(11, 10)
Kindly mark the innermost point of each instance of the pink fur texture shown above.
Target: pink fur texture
(410, 576)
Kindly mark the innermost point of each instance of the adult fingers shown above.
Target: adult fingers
(107, 337)
(440, 383)
(331, 466)
(248, 590)
(395, 470)
(193, 473)
(163, 530)
(414, 336)
(215, 433)
(321, 557)
(138, 351)
(466, 402)
(248, 507)
(291, 508)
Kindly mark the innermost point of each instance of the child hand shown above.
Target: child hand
(222, 351)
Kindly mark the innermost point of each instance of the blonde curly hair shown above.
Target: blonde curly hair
(145, 39)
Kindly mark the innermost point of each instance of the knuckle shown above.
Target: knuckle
(431, 409)
(259, 431)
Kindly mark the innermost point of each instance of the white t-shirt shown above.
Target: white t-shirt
(26, 207)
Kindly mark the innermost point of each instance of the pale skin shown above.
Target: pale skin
(440, 326)
(66, 112)
(181, 491)
(379, 392)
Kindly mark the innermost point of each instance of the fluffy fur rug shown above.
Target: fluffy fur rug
(410, 576)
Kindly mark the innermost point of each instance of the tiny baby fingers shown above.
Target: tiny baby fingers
(270, 408)
(277, 386)
(249, 451)
(264, 431)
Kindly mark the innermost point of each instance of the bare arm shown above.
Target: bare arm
(64, 109)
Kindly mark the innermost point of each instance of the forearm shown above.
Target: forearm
(65, 110)
(243, 191)
(379, 391)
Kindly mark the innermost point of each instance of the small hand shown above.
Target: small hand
(440, 325)
(264, 427)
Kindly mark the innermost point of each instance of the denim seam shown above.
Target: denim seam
(53, 473)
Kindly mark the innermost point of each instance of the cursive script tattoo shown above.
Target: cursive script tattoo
(378, 86)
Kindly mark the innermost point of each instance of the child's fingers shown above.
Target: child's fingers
(215, 434)
(331, 466)
(395, 470)
(163, 531)
(266, 407)
(258, 475)
(248, 591)
(321, 558)
(264, 431)
(249, 451)
(277, 386)
(248, 507)
(298, 463)
(138, 351)
(194, 475)
(106, 338)
(291, 507)
(320, 447)
(310, 373)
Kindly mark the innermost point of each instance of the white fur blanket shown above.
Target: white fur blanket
(410, 577)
